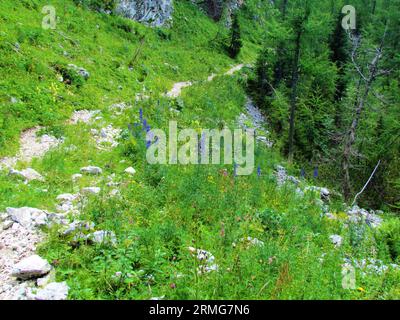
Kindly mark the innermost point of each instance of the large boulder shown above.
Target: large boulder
(31, 267)
(152, 12)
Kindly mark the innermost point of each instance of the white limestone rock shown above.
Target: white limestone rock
(130, 171)
(28, 217)
(53, 291)
(91, 170)
(28, 174)
(31, 267)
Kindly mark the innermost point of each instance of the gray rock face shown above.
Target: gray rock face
(31, 267)
(152, 12)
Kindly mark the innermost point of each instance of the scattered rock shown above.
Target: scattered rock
(336, 240)
(81, 71)
(76, 177)
(282, 176)
(106, 137)
(90, 190)
(359, 215)
(28, 174)
(67, 197)
(324, 192)
(28, 217)
(130, 170)
(249, 241)
(84, 116)
(103, 237)
(53, 291)
(78, 226)
(91, 170)
(119, 108)
(31, 267)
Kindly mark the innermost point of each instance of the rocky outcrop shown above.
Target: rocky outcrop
(152, 12)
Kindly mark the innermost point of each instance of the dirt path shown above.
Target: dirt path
(31, 147)
(178, 86)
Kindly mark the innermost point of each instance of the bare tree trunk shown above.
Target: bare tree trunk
(362, 96)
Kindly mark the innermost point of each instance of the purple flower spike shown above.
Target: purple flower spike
(316, 172)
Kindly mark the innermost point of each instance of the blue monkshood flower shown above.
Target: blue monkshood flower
(141, 114)
(316, 172)
(148, 128)
(259, 171)
(148, 144)
(144, 124)
(302, 173)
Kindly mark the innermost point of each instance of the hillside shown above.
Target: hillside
(76, 103)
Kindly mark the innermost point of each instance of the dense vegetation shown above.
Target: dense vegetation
(321, 84)
(301, 56)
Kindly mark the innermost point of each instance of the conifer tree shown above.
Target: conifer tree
(236, 42)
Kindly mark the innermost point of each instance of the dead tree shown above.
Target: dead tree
(364, 87)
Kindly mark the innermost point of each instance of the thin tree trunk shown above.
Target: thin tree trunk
(293, 97)
(361, 100)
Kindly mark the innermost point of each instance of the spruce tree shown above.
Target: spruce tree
(236, 42)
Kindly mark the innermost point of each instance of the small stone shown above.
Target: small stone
(130, 170)
(67, 197)
(31, 267)
(76, 177)
(90, 190)
(102, 236)
(91, 170)
(336, 240)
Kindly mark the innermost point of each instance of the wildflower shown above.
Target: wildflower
(141, 114)
(316, 172)
(302, 173)
(259, 171)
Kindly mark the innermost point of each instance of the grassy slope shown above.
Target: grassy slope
(164, 209)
